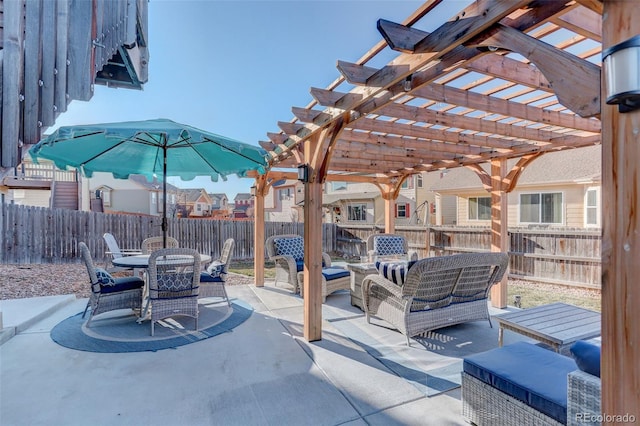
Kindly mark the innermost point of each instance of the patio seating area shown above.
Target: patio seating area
(262, 372)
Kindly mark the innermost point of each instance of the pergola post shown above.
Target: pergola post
(499, 226)
(620, 365)
(389, 214)
(312, 261)
(258, 233)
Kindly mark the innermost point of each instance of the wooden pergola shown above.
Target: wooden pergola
(501, 79)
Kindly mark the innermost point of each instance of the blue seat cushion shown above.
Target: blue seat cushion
(300, 264)
(587, 356)
(122, 284)
(334, 272)
(206, 277)
(529, 373)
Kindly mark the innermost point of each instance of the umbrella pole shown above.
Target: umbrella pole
(164, 196)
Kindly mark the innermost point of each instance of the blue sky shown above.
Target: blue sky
(237, 67)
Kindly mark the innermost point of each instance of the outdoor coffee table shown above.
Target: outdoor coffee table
(358, 272)
(558, 325)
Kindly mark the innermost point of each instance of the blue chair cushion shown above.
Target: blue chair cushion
(529, 373)
(587, 356)
(300, 265)
(104, 278)
(122, 284)
(293, 247)
(394, 271)
(385, 245)
(334, 272)
(206, 277)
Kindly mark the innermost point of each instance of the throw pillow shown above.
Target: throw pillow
(587, 356)
(393, 271)
(293, 247)
(104, 278)
(385, 246)
(217, 269)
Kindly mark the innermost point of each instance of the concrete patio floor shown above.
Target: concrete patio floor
(261, 373)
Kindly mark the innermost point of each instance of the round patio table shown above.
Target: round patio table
(141, 261)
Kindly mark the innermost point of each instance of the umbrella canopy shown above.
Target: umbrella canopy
(154, 148)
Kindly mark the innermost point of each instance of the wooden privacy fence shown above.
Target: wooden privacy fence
(43, 235)
(556, 256)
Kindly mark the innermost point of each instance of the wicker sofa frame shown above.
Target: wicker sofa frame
(437, 292)
(584, 394)
(285, 265)
(483, 404)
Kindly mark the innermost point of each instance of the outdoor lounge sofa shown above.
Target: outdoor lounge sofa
(437, 292)
(287, 251)
(526, 384)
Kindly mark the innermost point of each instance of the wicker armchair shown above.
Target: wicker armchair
(108, 293)
(389, 245)
(287, 251)
(149, 245)
(174, 278)
(212, 282)
(437, 292)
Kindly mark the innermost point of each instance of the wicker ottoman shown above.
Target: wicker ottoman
(333, 279)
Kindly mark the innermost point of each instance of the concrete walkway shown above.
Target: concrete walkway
(261, 373)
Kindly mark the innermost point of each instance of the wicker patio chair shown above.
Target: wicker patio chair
(287, 251)
(116, 252)
(149, 245)
(174, 277)
(108, 293)
(389, 245)
(437, 292)
(212, 282)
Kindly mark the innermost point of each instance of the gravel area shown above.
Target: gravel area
(34, 280)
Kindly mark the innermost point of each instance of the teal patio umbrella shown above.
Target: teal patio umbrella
(153, 148)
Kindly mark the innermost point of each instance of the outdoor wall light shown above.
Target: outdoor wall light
(253, 190)
(303, 173)
(406, 84)
(621, 64)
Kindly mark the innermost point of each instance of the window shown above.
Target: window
(592, 207)
(199, 207)
(480, 208)
(408, 183)
(154, 198)
(357, 212)
(402, 210)
(338, 186)
(419, 181)
(541, 208)
(285, 194)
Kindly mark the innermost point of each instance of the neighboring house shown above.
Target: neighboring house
(243, 206)
(557, 189)
(220, 208)
(284, 202)
(195, 201)
(362, 203)
(133, 195)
